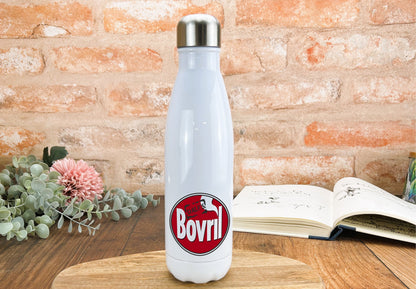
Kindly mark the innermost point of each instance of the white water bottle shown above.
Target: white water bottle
(198, 158)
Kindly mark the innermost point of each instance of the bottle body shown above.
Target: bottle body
(198, 170)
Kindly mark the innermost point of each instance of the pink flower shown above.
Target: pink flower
(79, 179)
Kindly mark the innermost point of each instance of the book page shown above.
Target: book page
(284, 201)
(382, 226)
(353, 196)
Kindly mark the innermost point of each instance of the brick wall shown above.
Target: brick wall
(318, 89)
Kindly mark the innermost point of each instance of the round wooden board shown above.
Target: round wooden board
(148, 270)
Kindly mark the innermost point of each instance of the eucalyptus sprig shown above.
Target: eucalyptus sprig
(31, 200)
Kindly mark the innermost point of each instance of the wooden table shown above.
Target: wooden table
(353, 261)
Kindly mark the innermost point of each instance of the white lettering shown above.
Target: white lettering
(191, 230)
(220, 222)
(201, 230)
(215, 229)
(209, 226)
(180, 223)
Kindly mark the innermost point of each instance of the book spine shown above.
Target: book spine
(334, 234)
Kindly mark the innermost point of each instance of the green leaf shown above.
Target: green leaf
(4, 213)
(54, 175)
(55, 204)
(25, 178)
(22, 234)
(68, 210)
(15, 162)
(43, 177)
(22, 161)
(5, 228)
(78, 215)
(14, 191)
(107, 196)
(61, 222)
(5, 180)
(57, 153)
(27, 183)
(129, 201)
(126, 212)
(115, 216)
(117, 203)
(10, 235)
(44, 219)
(16, 225)
(47, 193)
(42, 231)
(30, 202)
(36, 170)
(31, 223)
(137, 195)
(38, 185)
(85, 205)
(70, 227)
(29, 229)
(29, 214)
(20, 221)
(144, 203)
(31, 159)
(79, 228)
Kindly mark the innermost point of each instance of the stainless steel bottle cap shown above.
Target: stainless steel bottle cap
(198, 30)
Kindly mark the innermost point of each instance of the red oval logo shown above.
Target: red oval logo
(199, 222)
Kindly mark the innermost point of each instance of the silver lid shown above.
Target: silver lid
(198, 30)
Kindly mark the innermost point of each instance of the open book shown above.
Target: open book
(314, 212)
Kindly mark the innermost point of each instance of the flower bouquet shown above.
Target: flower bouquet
(36, 194)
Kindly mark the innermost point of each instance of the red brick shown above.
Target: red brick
(107, 59)
(148, 100)
(55, 98)
(44, 30)
(277, 95)
(147, 171)
(354, 51)
(384, 90)
(153, 16)
(298, 13)
(104, 168)
(18, 141)
(148, 137)
(361, 134)
(252, 55)
(386, 173)
(142, 138)
(316, 170)
(46, 20)
(255, 136)
(87, 137)
(392, 12)
(21, 61)
(146, 174)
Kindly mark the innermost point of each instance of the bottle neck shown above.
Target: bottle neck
(207, 58)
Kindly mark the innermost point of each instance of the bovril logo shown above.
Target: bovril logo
(199, 223)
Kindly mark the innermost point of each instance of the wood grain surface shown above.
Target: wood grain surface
(353, 261)
(148, 270)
